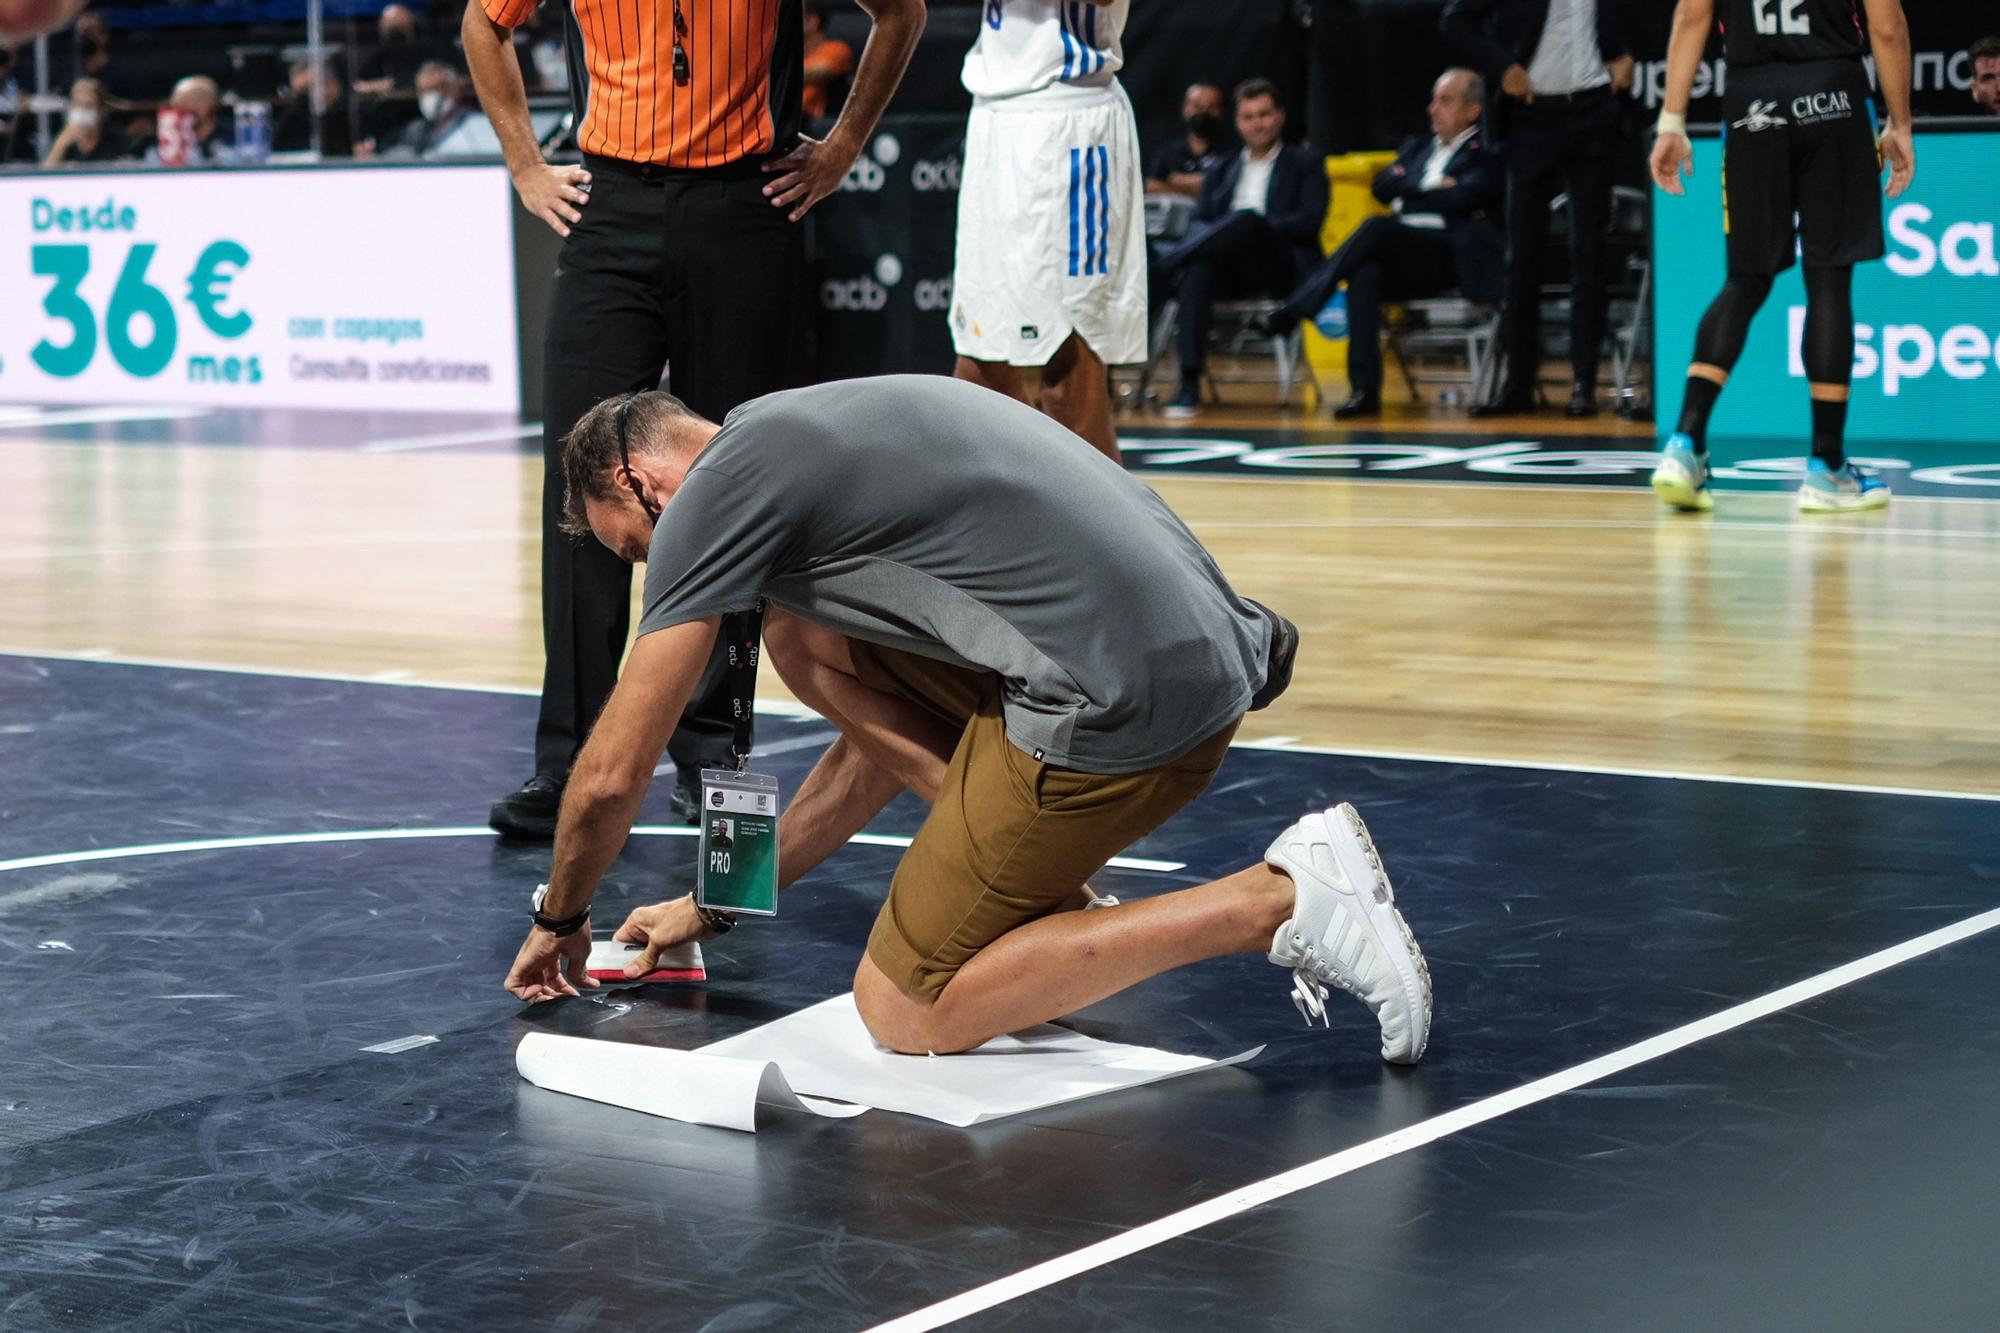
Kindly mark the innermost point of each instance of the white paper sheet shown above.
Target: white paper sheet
(823, 1060)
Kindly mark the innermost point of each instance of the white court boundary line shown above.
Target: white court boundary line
(1284, 745)
(1175, 1225)
(413, 834)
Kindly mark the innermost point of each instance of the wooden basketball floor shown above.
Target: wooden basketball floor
(1696, 817)
(1567, 625)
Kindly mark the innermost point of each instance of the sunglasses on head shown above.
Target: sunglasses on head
(625, 458)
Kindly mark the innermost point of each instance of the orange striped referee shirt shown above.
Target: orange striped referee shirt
(727, 107)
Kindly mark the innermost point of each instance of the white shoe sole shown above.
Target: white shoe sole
(1370, 905)
(1675, 486)
(1179, 413)
(1826, 502)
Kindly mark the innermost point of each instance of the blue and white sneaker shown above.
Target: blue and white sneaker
(1837, 490)
(1681, 479)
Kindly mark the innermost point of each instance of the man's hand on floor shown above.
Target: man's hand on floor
(660, 927)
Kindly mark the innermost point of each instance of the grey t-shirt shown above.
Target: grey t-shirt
(931, 515)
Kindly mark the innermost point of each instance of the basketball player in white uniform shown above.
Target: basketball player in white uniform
(1051, 267)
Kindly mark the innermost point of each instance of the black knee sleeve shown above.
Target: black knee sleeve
(1719, 340)
(1829, 339)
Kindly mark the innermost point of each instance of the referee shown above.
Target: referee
(681, 251)
(1800, 165)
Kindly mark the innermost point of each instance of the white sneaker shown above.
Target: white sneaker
(1345, 931)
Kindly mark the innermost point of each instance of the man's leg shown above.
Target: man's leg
(1076, 390)
(1718, 344)
(1366, 284)
(1365, 246)
(1211, 261)
(995, 375)
(1832, 484)
(1057, 964)
(1829, 359)
(1530, 187)
(1319, 904)
(1588, 178)
(729, 340)
(604, 337)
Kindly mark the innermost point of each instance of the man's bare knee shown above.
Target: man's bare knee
(906, 1024)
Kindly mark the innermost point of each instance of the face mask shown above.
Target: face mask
(1202, 125)
(92, 48)
(81, 117)
(432, 106)
(396, 37)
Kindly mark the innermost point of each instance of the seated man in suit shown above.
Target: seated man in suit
(1443, 190)
(1256, 229)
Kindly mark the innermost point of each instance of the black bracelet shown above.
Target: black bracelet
(719, 922)
(561, 926)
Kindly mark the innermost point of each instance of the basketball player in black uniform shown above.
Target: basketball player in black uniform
(1800, 164)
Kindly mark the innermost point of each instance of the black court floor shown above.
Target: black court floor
(218, 890)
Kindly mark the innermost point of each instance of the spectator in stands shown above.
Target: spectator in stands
(198, 96)
(1985, 55)
(1256, 230)
(88, 134)
(1443, 191)
(442, 107)
(93, 57)
(392, 66)
(1178, 167)
(829, 64)
(1559, 70)
(293, 132)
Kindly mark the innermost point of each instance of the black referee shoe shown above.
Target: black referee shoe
(529, 813)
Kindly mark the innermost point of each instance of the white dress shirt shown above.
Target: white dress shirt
(1253, 182)
(1568, 60)
(1433, 178)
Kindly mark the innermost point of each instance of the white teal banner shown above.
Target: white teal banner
(1927, 316)
(364, 288)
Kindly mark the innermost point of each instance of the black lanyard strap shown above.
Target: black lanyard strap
(743, 632)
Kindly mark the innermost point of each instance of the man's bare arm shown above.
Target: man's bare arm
(1889, 36)
(612, 774)
(813, 170)
(1693, 21)
(1673, 156)
(553, 194)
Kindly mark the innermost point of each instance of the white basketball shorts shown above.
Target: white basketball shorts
(1051, 232)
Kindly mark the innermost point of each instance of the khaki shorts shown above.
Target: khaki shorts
(1010, 839)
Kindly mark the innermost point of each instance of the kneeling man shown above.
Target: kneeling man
(1007, 625)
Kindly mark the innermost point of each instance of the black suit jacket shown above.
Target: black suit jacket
(1469, 206)
(1295, 206)
(1500, 33)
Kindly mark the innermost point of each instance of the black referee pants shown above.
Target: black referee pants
(1557, 145)
(694, 272)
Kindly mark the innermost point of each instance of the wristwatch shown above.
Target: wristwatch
(719, 922)
(558, 926)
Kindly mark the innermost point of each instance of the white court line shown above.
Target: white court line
(491, 435)
(1283, 746)
(1176, 1225)
(774, 707)
(1709, 524)
(792, 709)
(30, 418)
(410, 834)
(1553, 487)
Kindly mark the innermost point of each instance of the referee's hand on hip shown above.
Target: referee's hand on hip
(554, 194)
